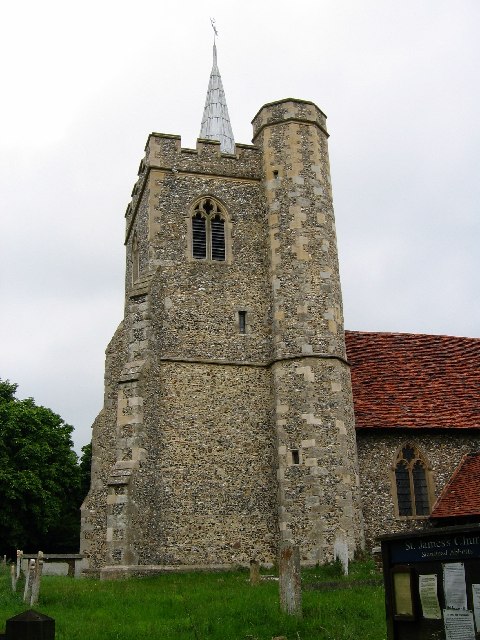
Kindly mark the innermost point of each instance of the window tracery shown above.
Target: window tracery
(411, 482)
(208, 231)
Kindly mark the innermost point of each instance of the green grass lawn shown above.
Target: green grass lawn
(218, 606)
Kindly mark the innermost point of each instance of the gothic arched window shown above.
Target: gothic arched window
(411, 482)
(208, 226)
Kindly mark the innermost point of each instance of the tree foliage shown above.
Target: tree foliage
(40, 479)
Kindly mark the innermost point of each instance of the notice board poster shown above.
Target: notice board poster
(427, 587)
(454, 586)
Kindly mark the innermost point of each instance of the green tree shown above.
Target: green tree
(40, 490)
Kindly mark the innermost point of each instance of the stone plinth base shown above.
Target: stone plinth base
(119, 572)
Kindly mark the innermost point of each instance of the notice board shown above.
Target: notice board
(432, 584)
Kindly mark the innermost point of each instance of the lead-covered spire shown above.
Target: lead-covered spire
(216, 121)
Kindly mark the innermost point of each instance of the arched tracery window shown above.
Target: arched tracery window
(412, 482)
(208, 231)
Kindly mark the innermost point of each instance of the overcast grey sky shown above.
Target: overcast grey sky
(85, 83)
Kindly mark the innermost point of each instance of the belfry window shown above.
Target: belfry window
(411, 482)
(208, 231)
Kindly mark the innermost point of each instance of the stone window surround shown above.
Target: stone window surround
(246, 310)
(294, 457)
(227, 229)
(428, 475)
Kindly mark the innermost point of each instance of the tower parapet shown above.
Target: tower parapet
(165, 151)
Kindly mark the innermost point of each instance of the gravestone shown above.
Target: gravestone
(19, 561)
(340, 551)
(13, 577)
(29, 578)
(290, 579)
(30, 625)
(36, 579)
(254, 572)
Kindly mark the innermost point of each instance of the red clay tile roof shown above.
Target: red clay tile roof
(410, 380)
(461, 495)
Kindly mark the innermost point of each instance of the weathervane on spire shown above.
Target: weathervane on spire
(212, 21)
(216, 121)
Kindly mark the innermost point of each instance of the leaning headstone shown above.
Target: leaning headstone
(254, 572)
(36, 579)
(30, 625)
(290, 579)
(377, 558)
(340, 551)
(13, 577)
(19, 562)
(27, 593)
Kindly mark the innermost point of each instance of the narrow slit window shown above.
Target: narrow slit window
(295, 456)
(135, 259)
(242, 321)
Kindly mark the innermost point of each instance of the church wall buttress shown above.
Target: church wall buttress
(93, 538)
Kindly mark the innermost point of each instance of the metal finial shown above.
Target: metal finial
(212, 21)
(216, 122)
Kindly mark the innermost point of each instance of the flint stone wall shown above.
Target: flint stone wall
(207, 485)
(198, 465)
(377, 451)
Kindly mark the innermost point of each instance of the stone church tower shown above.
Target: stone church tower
(228, 420)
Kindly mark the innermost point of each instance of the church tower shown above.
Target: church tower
(228, 417)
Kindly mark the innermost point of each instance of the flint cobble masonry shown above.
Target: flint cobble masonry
(216, 443)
